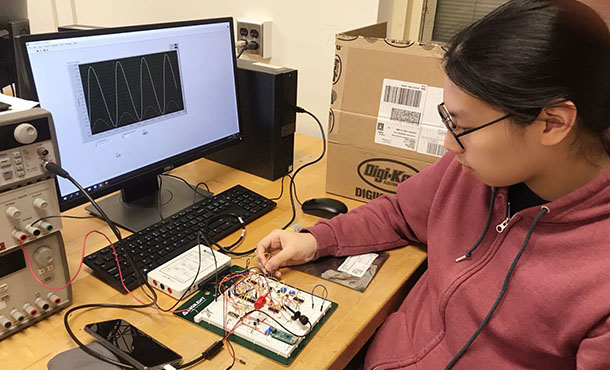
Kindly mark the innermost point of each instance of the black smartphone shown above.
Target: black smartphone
(133, 345)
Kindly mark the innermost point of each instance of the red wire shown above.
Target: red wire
(80, 265)
(27, 258)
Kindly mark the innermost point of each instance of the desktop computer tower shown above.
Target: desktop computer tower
(267, 97)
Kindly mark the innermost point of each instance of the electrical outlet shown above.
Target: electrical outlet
(259, 32)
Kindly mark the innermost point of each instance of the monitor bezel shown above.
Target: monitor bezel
(167, 164)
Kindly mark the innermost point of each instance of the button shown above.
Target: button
(7, 175)
(18, 161)
(16, 154)
(19, 167)
(3, 287)
(20, 173)
(5, 162)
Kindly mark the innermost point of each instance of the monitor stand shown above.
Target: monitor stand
(137, 206)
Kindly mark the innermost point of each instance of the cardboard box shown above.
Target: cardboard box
(383, 123)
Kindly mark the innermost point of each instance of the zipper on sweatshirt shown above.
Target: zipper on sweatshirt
(501, 226)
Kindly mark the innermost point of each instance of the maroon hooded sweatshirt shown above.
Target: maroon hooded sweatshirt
(555, 311)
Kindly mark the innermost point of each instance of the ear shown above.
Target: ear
(557, 121)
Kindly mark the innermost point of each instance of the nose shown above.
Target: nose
(451, 144)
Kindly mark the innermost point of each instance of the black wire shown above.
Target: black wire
(159, 197)
(57, 170)
(227, 249)
(292, 179)
(193, 188)
(296, 196)
(282, 188)
(59, 216)
(241, 52)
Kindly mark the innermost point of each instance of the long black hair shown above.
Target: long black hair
(530, 54)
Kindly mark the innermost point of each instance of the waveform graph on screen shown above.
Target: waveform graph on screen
(126, 91)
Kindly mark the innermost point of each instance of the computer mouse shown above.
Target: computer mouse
(324, 207)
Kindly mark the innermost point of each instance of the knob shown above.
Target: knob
(41, 204)
(54, 298)
(18, 316)
(30, 309)
(43, 256)
(13, 212)
(25, 133)
(45, 226)
(20, 235)
(32, 230)
(6, 323)
(42, 303)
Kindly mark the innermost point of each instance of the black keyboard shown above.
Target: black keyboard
(175, 235)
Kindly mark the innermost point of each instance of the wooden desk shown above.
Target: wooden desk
(355, 320)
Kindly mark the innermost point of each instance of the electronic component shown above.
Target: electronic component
(28, 218)
(263, 315)
(283, 336)
(176, 277)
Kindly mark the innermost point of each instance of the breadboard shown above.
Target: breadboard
(259, 331)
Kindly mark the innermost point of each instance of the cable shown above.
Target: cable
(292, 179)
(282, 188)
(160, 180)
(193, 188)
(57, 170)
(59, 216)
(252, 45)
(227, 249)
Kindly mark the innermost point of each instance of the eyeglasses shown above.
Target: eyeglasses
(452, 127)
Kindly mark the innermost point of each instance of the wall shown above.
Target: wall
(303, 31)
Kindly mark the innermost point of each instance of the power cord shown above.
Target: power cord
(292, 188)
(252, 45)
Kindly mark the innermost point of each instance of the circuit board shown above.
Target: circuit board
(259, 313)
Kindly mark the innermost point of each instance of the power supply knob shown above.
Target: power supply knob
(41, 204)
(13, 212)
(25, 133)
(43, 256)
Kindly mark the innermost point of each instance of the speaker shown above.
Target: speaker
(267, 96)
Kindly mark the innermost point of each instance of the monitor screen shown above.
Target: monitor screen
(134, 101)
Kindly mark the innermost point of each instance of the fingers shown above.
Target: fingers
(265, 247)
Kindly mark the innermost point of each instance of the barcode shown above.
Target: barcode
(405, 116)
(402, 96)
(435, 149)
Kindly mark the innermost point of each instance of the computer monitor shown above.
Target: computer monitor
(132, 102)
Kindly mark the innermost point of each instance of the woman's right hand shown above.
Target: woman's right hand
(284, 248)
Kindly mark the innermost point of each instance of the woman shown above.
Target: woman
(516, 215)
